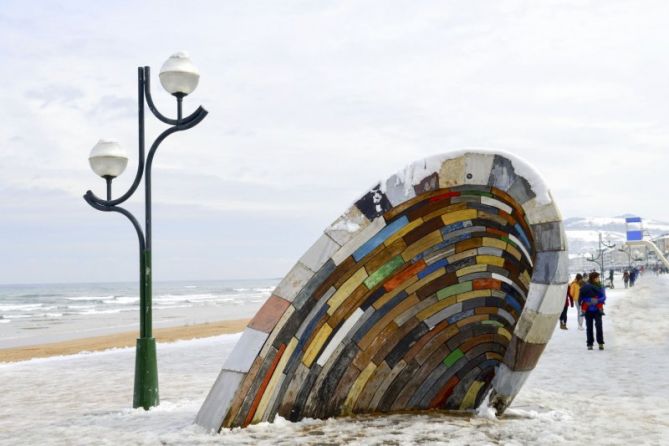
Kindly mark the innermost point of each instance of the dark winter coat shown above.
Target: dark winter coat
(591, 298)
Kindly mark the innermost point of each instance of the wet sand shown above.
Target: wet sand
(120, 340)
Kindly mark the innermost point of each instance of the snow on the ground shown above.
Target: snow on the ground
(618, 396)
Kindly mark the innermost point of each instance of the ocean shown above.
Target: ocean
(35, 314)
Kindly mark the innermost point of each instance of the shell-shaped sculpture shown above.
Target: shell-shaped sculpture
(440, 284)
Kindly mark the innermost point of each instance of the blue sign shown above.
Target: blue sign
(634, 229)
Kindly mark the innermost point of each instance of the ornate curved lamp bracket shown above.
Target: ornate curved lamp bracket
(95, 205)
(177, 125)
(196, 115)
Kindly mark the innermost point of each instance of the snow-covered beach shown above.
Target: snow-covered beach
(613, 397)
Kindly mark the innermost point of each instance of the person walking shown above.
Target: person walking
(611, 278)
(591, 299)
(573, 291)
(633, 275)
(568, 301)
(626, 278)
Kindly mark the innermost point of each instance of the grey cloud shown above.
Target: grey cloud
(56, 94)
(111, 106)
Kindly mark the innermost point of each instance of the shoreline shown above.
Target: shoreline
(121, 340)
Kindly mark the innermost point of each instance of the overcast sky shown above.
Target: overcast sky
(310, 103)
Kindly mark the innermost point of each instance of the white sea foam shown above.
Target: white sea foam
(101, 298)
(123, 300)
(19, 307)
(115, 311)
(186, 297)
(170, 306)
(253, 290)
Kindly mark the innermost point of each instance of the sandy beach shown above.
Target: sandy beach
(120, 340)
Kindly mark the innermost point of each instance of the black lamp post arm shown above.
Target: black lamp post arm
(144, 92)
(140, 163)
(199, 116)
(140, 235)
(154, 109)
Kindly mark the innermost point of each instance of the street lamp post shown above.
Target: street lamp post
(107, 159)
(600, 257)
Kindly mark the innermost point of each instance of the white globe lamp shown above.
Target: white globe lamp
(178, 75)
(108, 159)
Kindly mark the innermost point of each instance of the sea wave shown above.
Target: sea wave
(169, 307)
(19, 307)
(114, 311)
(255, 290)
(97, 298)
(185, 297)
(39, 295)
(123, 300)
(49, 315)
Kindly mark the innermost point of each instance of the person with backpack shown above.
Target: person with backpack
(574, 290)
(591, 299)
(568, 301)
(633, 276)
(572, 293)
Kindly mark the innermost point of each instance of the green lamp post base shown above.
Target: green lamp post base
(146, 374)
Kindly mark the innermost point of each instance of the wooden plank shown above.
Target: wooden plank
(421, 245)
(263, 386)
(383, 272)
(468, 402)
(274, 382)
(454, 217)
(270, 313)
(401, 276)
(314, 347)
(384, 254)
(346, 289)
(356, 389)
